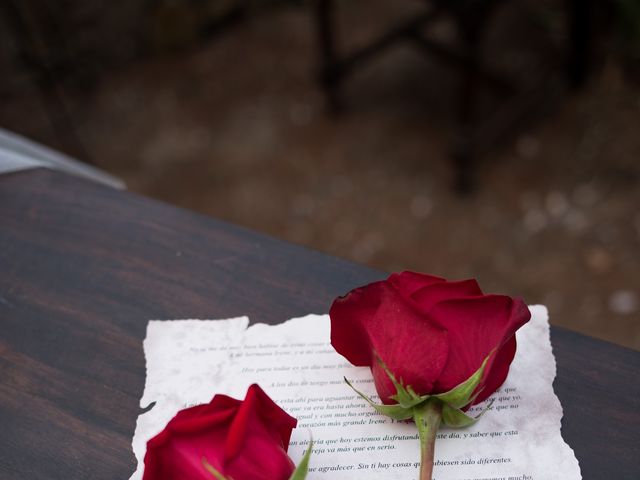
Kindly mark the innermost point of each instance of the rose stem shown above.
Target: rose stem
(427, 419)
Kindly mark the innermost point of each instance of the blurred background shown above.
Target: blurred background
(478, 138)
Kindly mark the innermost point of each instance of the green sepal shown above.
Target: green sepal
(397, 411)
(210, 468)
(456, 418)
(409, 402)
(405, 396)
(300, 473)
(461, 395)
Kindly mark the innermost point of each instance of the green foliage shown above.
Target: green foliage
(456, 418)
(397, 411)
(302, 469)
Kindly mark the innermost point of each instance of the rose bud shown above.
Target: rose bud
(224, 439)
(434, 347)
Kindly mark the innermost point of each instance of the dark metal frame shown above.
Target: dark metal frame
(471, 18)
(34, 54)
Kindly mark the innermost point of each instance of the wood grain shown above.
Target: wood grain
(82, 269)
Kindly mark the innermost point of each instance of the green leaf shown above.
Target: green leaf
(397, 412)
(460, 395)
(406, 397)
(456, 418)
(300, 473)
(209, 468)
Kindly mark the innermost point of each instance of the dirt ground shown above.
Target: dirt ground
(237, 129)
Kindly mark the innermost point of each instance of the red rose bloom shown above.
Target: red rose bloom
(431, 334)
(243, 440)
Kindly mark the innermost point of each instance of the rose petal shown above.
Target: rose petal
(349, 322)
(261, 457)
(258, 408)
(255, 432)
(498, 369)
(476, 326)
(408, 282)
(427, 297)
(176, 452)
(191, 420)
(376, 319)
(258, 439)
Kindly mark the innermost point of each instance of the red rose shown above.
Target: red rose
(243, 440)
(431, 334)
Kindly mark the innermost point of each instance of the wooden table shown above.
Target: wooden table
(82, 269)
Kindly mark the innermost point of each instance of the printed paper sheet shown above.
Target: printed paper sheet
(188, 361)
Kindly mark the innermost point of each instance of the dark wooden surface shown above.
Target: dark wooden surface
(82, 269)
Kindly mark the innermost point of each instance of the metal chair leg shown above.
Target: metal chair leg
(330, 75)
(579, 12)
(464, 155)
(32, 53)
